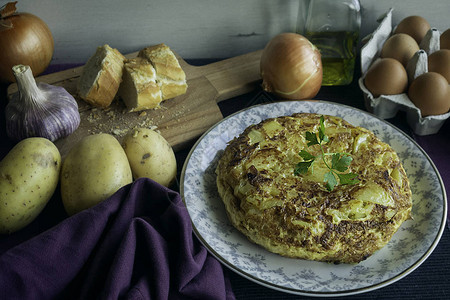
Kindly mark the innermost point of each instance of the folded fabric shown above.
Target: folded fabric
(138, 244)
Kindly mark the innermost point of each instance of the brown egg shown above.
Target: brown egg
(401, 47)
(439, 62)
(414, 26)
(386, 76)
(430, 92)
(445, 39)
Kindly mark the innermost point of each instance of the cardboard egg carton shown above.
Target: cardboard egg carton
(387, 106)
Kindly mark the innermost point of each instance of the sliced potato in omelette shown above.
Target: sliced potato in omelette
(295, 215)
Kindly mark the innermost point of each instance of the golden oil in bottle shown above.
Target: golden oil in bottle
(337, 50)
(333, 26)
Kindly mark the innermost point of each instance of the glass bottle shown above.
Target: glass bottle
(333, 26)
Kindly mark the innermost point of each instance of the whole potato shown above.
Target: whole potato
(93, 170)
(29, 175)
(150, 155)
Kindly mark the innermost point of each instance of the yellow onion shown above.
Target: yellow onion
(24, 39)
(291, 67)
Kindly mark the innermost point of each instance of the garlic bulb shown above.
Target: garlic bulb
(39, 109)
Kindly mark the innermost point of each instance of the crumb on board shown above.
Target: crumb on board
(117, 120)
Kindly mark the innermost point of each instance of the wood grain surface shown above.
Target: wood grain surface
(181, 119)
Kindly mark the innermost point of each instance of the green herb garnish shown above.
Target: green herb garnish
(339, 161)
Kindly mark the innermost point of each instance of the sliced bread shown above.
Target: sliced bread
(139, 89)
(101, 77)
(169, 74)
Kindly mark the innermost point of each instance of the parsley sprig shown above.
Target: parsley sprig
(339, 161)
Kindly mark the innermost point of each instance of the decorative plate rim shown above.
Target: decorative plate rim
(383, 283)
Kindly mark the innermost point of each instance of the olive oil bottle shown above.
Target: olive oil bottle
(333, 27)
(338, 52)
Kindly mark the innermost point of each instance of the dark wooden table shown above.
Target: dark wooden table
(431, 280)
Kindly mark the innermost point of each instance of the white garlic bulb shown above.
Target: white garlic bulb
(39, 109)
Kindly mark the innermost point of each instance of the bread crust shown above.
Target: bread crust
(139, 89)
(152, 77)
(101, 77)
(169, 74)
(164, 61)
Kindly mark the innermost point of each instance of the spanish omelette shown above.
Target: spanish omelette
(296, 215)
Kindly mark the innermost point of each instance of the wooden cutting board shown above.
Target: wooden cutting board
(180, 120)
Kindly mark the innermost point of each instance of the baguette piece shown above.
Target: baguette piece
(169, 74)
(101, 77)
(139, 89)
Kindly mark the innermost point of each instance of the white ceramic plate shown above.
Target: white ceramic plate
(410, 246)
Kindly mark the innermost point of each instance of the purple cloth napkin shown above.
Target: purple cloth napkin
(138, 244)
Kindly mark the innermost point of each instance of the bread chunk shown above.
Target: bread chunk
(169, 74)
(101, 77)
(139, 89)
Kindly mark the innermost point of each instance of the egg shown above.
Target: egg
(430, 92)
(439, 62)
(401, 47)
(414, 26)
(444, 39)
(386, 76)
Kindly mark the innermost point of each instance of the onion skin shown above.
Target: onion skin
(28, 41)
(291, 67)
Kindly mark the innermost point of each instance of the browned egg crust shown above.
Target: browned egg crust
(295, 215)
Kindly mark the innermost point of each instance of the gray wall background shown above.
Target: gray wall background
(193, 28)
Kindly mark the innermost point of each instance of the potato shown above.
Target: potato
(150, 155)
(94, 169)
(29, 175)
